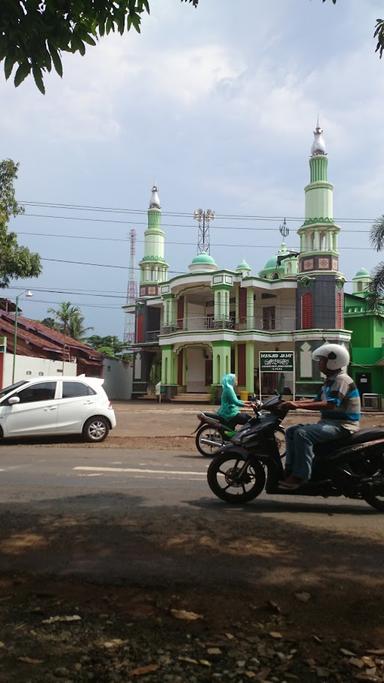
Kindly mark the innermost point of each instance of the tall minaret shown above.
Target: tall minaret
(153, 266)
(320, 284)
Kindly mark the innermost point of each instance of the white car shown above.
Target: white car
(56, 405)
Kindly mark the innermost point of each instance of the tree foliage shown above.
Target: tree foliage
(69, 320)
(35, 33)
(378, 34)
(110, 346)
(376, 294)
(15, 261)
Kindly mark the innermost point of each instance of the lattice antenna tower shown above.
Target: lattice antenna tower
(129, 326)
(203, 238)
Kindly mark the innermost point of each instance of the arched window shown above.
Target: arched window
(312, 241)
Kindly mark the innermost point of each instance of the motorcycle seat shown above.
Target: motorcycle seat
(366, 435)
(362, 436)
(211, 416)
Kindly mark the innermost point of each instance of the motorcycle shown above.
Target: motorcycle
(352, 467)
(213, 433)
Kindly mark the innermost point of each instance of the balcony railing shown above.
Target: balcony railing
(198, 324)
(152, 335)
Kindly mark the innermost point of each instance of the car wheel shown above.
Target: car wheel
(96, 429)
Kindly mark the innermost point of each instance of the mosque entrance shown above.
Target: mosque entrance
(196, 369)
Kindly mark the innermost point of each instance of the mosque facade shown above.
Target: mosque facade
(210, 320)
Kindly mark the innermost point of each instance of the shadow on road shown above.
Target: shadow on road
(273, 505)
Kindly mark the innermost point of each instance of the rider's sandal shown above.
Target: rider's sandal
(290, 485)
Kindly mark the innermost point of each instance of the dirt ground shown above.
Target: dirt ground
(324, 623)
(171, 425)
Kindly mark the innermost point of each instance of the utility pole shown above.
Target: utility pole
(129, 327)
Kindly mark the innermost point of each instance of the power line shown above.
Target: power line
(97, 265)
(83, 305)
(186, 225)
(124, 239)
(104, 209)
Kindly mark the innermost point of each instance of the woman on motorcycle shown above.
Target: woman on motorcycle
(230, 404)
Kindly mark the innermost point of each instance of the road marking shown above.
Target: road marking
(94, 474)
(139, 471)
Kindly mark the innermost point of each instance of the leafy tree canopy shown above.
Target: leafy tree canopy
(110, 346)
(376, 294)
(378, 34)
(69, 320)
(15, 261)
(34, 33)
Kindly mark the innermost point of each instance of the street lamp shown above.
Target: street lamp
(27, 293)
(203, 218)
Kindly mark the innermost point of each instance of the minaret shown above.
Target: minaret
(320, 284)
(153, 266)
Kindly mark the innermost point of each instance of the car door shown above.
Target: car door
(78, 402)
(36, 413)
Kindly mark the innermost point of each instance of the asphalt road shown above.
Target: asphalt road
(51, 474)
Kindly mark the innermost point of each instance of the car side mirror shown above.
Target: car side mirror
(13, 400)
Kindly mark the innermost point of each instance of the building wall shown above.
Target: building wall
(118, 379)
(27, 367)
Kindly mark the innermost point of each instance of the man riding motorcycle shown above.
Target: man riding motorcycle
(339, 404)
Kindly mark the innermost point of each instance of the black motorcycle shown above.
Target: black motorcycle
(352, 467)
(214, 432)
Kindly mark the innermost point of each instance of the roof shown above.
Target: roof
(203, 258)
(243, 266)
(363, 272)
(271, 263)
(37, 340)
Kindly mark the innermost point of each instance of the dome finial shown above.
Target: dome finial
(318, 145)
(155, 200)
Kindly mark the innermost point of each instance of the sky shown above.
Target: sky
(217, 106)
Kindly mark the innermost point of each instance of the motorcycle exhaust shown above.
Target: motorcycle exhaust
(210, 442)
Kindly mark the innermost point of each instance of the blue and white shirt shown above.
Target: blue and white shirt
(340, 391)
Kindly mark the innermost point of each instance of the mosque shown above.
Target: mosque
(193, 328)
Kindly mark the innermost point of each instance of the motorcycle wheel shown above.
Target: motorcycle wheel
(376, 502)
(208, 432)
(226, 483)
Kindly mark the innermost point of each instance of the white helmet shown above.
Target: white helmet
(337, 356)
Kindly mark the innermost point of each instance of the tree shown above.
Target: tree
(48, 322)
(34, 33)
(376, 293)
(69, 320)
(378, 34)
(110, 346)
(15, 261)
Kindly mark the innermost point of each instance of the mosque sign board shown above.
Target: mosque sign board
(276, 361)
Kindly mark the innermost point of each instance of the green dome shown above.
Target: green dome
(243, 266)
(271, 263)
(363, 272)
(203, 259)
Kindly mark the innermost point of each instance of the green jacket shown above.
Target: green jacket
(230, 404)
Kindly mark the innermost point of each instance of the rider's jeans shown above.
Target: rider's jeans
(300, 441)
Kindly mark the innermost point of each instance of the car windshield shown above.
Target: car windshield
(7, 390)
